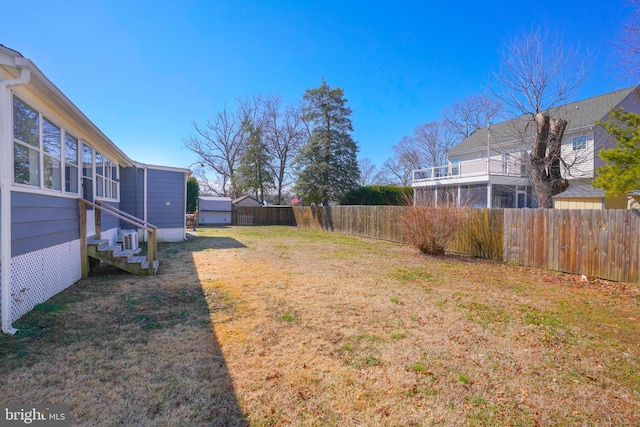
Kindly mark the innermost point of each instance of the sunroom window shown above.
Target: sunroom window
(52, 143)
(44, 155)
(87, 173)
(26, 144)
(70, 163)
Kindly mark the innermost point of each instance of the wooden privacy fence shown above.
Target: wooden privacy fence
(262, 215)
(600, 243)
(482, 237)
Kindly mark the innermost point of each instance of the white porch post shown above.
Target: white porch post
(489, 204)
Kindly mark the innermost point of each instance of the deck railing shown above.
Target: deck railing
(469, 168)
(152, 244)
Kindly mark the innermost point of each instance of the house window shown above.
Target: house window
(70, 163)
(26, 144)
(106, 177)
(580, 143)
(505, 163)
(455, 167)
(52, 144)
(87, 173)
(39, 153)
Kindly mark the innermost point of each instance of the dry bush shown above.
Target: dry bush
(431, 228)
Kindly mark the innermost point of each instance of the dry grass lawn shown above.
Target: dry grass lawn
(267, 326)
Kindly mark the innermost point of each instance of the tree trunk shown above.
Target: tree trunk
(546, 159)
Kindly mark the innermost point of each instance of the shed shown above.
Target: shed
(214, 210)
(583, 196)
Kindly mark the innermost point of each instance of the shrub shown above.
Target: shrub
(378, 195)
(431, 228)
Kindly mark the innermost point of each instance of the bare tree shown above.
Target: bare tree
(628, 44)
(432, 141)
(284, 133)
(368, 172)
(472, 113)
(218, 145)
(537, 74)
(394, 172)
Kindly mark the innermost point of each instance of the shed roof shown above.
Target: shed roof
(241, 198)
(581, 191)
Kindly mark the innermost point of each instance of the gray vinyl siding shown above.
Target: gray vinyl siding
(132, 193)
(166, 198)
(40, 221)
(630, 103)
(110, 221)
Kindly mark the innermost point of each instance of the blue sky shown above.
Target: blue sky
(142, 70)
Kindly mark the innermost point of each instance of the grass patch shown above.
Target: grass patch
(408, 275)
(206, 342)
(287, 317)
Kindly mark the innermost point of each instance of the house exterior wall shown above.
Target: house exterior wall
(40, 221)
(603, 140)
(166, 202)
(578, 203)
(132, 193)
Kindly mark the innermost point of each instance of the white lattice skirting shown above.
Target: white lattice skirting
(37, 276)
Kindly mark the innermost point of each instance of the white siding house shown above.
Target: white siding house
(490, 168)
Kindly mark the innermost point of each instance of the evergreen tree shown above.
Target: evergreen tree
(193, 191)
(328, 161)
(254, 172)
(621, 173)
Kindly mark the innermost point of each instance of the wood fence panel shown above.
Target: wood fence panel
(510, 251)
(601, 243)
(619, 258)
(600, 238)
(634, 249)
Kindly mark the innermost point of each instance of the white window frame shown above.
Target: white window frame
(106, 177)
(70, 165)
(579, 142)
(110, 177)
(33, 150)
(455, 166)
(59, 181)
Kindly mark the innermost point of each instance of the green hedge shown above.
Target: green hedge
(379, 195)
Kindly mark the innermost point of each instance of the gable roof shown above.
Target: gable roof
(241, 198)
(581, 191)
(580, 115)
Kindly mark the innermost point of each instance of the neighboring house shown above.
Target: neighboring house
(52, 155)
(246, 201)
(214, 210)
(490, 168)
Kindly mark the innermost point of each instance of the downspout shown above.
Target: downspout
(6, 145)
